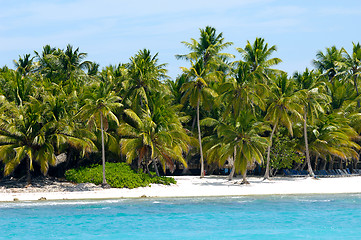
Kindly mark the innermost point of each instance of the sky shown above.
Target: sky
(112, 31)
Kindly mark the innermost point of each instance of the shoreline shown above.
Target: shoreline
(194, 186)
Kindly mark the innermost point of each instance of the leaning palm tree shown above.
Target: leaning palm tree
(100, 105)
(284, 108)
(198, 92)
(314, 101)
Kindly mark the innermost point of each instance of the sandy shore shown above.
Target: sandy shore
(192, 186)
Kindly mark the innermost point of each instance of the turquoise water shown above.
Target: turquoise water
(281, 217)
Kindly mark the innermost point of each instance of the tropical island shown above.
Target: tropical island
(130, 125)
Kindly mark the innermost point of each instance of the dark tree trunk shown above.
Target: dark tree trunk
(357, 92)
(28, 172)
(341, 164)
(103, 149)
(330, 166)
(266, 175)
(303, 165)
(155, 167)
(324, 164)
(316, 162)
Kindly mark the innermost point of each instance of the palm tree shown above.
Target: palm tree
(314, 101)
(29, 132)
(241, 91)
(144, 76)
(151, 137)
(353, 65)
(332, 136)
(24, 65)
(258, 56)
(72, 60)
(209, 46)
(197, 91)
(242, 140)
(100, 104)
(329, 63)
(284, 106)
(16, 87)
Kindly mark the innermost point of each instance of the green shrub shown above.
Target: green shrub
(118, 175)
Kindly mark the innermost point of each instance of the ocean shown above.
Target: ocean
(261, 217)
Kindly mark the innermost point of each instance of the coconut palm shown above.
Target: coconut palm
(28, 132)
(100, 105)
(209, 46)
(284, 108)
(24, 65)
(241, 91)
(258, 56)
(198, 92)
(352, 65)
(16, 87)
(154, 136)
(328, 63)
(144, 76)
(331, 137)
(241, 138)
(314, 101)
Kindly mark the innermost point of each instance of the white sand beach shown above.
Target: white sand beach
(193, 186)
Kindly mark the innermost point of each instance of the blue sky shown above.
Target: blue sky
(111, 31)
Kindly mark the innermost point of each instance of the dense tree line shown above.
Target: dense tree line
(223, 109)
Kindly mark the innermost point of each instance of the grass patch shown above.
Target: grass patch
(118, 175)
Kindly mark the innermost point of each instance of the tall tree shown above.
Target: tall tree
(198, 92)
(314, 101)
(208, 47)
(284, 108)
(242, 139)
(29, 132)
(144, 76)
(100, 104)
(258, 56)
(152, 137)
(353, 66)
(329, 62)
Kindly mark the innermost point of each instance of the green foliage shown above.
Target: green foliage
(119, 175)
(283, 153)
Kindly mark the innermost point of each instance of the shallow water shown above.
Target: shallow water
(279, 217)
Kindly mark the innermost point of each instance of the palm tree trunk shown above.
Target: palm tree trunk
(316, 162)
(28, 177)
(200, 141)
(330, 166)
(230, 176)
(266, 174)
(306, 144)
(103, 148)
(341, 164)
(324, 164)
(244, 178)
(155, 167)
(357, 93)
